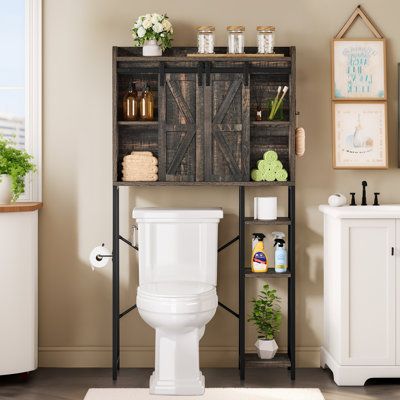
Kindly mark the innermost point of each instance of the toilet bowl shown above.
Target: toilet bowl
(177, 290)
(178, 311)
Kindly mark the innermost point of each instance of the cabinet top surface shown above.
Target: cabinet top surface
(382, 211)
(20, 207)
(189, 54)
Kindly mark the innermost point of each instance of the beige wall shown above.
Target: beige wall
(75, 303)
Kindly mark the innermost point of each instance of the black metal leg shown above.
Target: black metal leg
(242, 310)
(115, 284)
(291, 283)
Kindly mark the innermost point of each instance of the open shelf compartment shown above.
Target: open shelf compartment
(280, 360)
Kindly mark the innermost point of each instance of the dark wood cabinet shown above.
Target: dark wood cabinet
(205, 128)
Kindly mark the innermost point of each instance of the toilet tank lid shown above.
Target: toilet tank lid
(177, 213)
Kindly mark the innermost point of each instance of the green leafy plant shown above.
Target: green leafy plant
(266, 313)
(16, 163)
(152, 27)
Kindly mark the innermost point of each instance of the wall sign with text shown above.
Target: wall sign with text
(359, 106)
(359, 69)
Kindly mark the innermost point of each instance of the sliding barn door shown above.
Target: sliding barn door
(227, 128)
(178, 123)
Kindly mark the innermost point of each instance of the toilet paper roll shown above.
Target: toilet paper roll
(99, 262)
(267, 208)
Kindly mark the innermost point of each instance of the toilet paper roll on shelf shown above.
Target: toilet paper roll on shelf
(265, 208)
(99, 257)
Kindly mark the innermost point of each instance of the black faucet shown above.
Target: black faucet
(364, 193)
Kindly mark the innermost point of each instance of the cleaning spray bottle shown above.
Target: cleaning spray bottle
(280, 252)
(259, 261)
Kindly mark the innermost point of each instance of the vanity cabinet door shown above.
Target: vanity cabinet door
(180, 120)
(397, 299)
(227, 128)
(368, 292)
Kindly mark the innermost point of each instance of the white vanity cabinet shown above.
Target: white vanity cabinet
(361, 293)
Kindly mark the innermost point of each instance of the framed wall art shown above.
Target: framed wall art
(360, 135)
(359, 69)
(359, 98)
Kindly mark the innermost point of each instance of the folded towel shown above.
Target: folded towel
(270, 156)
(128, 169)
(142, 153)
(142, 178)
(281, 175)
(256, 175)
(140, 161)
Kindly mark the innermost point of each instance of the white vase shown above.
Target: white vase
(151, 49)
(266, 349)
(5, 189)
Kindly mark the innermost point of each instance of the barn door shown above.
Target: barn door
(227, 128)
(177, 127)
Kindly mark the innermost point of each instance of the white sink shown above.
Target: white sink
(383, 211)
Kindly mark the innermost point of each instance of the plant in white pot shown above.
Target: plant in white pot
(267, 317)
(153, 32)
(14, 165)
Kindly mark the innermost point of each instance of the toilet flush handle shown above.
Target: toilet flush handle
(134, 235)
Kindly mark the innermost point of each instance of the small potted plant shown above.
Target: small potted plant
(267, 317)
(153, 32)
(14, 165)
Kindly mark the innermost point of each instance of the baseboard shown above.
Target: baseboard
(143, 357)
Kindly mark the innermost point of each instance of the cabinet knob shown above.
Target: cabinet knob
(392, 251)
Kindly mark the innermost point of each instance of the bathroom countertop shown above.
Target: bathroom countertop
(381, 211)
(20, 207)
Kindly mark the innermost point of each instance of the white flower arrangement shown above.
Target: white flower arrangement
(153, 27)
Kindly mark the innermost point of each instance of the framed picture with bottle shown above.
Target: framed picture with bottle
(360, 135)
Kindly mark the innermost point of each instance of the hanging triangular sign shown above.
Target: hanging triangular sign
(359, 13)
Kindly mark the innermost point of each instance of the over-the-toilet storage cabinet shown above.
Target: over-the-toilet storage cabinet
(361, 293)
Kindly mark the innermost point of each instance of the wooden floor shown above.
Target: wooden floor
(72, 384)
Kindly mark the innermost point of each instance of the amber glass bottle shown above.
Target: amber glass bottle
(147, 105)
(131, 104)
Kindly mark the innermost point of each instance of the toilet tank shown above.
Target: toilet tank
(178, 244)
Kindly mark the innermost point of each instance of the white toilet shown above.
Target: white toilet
(177, 296)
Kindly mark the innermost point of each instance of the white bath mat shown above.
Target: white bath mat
(210, 394)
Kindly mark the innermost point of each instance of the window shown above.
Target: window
(20, 82)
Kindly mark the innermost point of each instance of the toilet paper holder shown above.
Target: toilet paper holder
(99, 257)
(132, 244)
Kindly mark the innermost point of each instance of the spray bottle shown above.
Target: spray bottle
(259, 261)
(280, 252)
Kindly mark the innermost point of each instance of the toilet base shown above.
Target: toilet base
(178, 387)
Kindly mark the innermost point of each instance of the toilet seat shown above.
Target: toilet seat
(180, 297)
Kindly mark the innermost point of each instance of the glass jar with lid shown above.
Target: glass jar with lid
(265, 39)
(205, 39)
(235, 39)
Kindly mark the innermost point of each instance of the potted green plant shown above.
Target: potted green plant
(14, 165)
(267, 317)
(153, 32)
